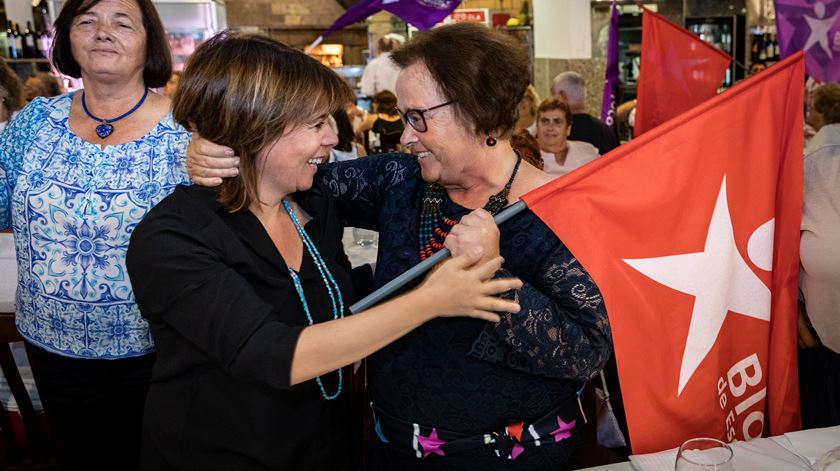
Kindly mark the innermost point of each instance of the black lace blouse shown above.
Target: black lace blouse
(462, 374)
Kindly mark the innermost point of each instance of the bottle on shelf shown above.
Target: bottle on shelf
(10, 37)
(4, 43)
(726, 39)
(28, 41)
(771, 47)
(42, 23)
(18, 41)
(524, 14)
(762, 47)
(44, 42)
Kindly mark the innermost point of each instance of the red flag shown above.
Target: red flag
(678, 72)
(692, 234)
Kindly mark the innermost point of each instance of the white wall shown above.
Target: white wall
(19, 11)
(562, 29)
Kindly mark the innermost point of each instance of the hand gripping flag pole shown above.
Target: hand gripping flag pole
(424, 266)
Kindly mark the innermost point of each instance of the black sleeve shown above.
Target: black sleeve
(562, 329)
(182, 281)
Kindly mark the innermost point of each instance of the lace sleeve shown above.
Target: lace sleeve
(360, 186)
(562, 330)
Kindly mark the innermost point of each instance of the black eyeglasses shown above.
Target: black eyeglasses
(417, 118)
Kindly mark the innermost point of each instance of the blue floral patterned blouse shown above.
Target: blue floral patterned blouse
(73, 207)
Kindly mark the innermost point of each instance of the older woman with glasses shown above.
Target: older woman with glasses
(458, 393)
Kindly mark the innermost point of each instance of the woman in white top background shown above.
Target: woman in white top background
(11, 95)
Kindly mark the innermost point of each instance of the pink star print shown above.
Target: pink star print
(431, 444)
(517, 450)
(562, 431)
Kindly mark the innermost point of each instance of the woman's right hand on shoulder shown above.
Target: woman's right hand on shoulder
(461, 287)
(208, 163)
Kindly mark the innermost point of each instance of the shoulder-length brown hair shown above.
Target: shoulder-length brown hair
(488, 81)
(244, 91)
(11, 90)
(827, 102)
(385, 102)
(158, 58)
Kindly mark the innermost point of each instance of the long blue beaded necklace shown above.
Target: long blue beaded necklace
(105, 128)
(330, 283)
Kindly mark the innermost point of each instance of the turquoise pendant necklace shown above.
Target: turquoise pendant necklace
(332, 289)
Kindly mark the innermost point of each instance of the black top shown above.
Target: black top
(467, 375)
(589, 129)
(389, 133)
(225, 317)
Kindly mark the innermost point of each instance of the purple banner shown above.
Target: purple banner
(423, 14)
(356, 13)
(814, 27)
(611, 80)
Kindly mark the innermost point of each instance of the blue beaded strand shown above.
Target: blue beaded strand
(329, 282)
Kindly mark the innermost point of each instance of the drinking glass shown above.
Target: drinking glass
(364, 237)
(704, 454)
(829, 461)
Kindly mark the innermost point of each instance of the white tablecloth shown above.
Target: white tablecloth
(791, 451)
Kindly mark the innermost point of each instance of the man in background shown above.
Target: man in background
(571, 87)
(381, 73)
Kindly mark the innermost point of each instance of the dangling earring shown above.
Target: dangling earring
(490, 141)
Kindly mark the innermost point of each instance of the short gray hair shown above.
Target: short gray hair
(573, 87)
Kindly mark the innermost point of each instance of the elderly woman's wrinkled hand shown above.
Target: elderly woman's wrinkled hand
(209, 163)
(476, 236)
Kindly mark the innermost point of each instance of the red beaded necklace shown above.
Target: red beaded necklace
(434, 226)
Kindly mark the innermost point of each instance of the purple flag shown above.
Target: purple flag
(356, 13)
(812, 26)
(611, 80)
(423, 14)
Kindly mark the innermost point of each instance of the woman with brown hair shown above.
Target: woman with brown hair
(11, 94)
(246, 286)
(383, 127)
(527, 110)
(79, 172)
(458, 394)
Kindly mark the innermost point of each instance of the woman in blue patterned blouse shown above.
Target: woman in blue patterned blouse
(78, 172)
(458, 394)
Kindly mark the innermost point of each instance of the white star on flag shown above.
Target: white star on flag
(819, 29)
(719, 279)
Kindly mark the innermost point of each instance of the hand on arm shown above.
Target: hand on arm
(208, 163)
(457, 287)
